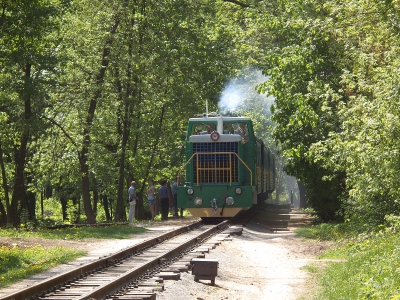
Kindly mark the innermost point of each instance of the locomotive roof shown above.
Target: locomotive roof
(205, 118)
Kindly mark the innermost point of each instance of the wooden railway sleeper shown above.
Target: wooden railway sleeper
(180, 254)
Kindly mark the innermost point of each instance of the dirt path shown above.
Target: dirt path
(256, 265)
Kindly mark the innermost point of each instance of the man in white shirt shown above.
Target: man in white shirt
(132, 201)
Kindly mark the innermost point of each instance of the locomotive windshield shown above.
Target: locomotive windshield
(237, 128)
(203, 128)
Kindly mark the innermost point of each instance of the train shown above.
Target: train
(227, 168)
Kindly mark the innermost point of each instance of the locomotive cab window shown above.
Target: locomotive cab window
(203, 128)
(240, 128)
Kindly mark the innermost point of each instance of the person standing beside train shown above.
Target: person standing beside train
(164, 195)
(175, 194)
(150, 198)
(132, 201)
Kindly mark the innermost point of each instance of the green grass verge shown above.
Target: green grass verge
(77, 233)
(370, 266)
(17, 263)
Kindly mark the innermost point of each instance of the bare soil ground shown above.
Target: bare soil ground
(259, 264)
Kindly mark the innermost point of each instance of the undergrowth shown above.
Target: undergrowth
(368, 265)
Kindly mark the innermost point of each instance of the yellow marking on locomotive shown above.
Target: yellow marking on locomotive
(212, 168)
(206, 212)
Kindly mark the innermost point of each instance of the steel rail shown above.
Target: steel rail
(103, 291)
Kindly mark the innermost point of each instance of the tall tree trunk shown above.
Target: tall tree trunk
(30, 200)
(19, 192)
(302, 192)
(4, 212)
(95, 201)
(120, 213)
(132, 93)
(104, 200)
(153, 151)
(120, 206)
(83, 156)
(63, 201)
(85, 177)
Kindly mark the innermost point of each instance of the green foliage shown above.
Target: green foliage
(128, 75)
(72, 212)
(333, 74)
(102, 90)
(52, 210)
(302, 65)
(367, 147)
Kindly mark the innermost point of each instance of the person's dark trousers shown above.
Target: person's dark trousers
(176, 204)
(164, 208)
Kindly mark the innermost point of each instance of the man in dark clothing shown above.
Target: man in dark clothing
(164, 195)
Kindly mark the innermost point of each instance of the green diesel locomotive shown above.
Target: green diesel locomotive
(227, 168)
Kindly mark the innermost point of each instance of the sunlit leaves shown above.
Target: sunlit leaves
(335, 74)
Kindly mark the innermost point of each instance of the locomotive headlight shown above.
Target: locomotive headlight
(238, 191)
(189, 191)
(198, 201)
(229, 200)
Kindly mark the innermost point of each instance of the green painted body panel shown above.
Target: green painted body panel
(209, 192)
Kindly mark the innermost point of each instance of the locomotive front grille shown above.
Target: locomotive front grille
(215, 162)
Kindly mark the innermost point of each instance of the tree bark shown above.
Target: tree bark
(30, 199)
(19, 191)
(120, 205)
(241, 4)
(95, 201)
(4, 211)
(153, 151)
(303, 196)
(63, 201)
(132, 93)
(83, 156)
(107, 212)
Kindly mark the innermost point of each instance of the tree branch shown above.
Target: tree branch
(238, 3)
(52, 121)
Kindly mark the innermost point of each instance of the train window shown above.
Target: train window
(237, 128)
(203, 128)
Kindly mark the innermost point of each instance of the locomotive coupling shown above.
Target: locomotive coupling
(214, 205)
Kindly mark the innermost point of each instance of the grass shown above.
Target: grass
(369, 267)
(76, 233)
(17, 263)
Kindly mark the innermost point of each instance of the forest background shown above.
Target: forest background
(96, 93)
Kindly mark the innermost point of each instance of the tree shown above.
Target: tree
(304, 64)
(28, 60)
(156, 68)
(367, 147)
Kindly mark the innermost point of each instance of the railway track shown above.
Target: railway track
(133, 273)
